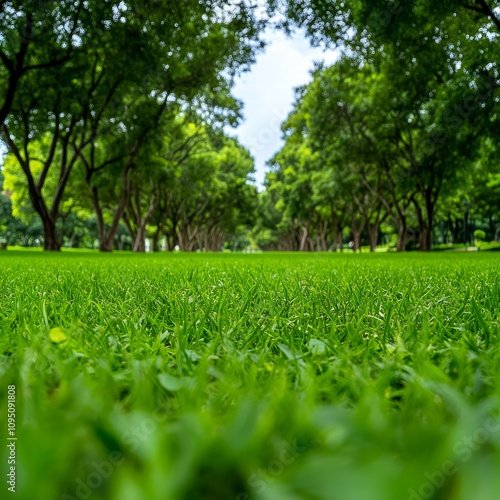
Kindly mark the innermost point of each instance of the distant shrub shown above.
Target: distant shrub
(479, 235)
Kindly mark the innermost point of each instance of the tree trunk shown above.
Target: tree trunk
(50, 241)
(357, 228)
(182, 237)
(454, 229)
(107, 243)
(356, 236)
(156, 239)
(422, 228)
(336, 233)
(373, 230)
(466, 228)
(426, 239)
(106, 238)
(321, 236)
(338, 242)
(402, 235)
(429, 208)
(443, 232)
(304, 239)
(140, 240)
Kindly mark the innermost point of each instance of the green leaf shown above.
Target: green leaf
(317, 347)
(57, 335)
(174, 384)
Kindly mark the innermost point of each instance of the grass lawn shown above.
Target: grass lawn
(267, 376)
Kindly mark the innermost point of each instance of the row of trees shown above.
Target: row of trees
(102, 103)
(400, 133)
(191, 190)
(113, 116)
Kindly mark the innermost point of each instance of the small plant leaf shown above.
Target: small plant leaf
(171, 383)
(57, 335)
(317, 347)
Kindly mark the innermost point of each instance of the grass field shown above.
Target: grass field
(270, 377)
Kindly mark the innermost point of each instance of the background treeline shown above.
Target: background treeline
(396, 143)
(113, 116)
(191, 190)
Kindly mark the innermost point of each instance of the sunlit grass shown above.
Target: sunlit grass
(270, 376)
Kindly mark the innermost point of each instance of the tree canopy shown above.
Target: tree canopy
(397, 127)
(115, 119)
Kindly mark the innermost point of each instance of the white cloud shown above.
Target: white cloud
(268, 92)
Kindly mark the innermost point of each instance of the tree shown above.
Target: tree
(163, 54)
(402, 146)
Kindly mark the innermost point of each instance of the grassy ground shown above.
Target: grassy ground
(270, 376)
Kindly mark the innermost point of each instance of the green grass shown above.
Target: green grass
(269, 376)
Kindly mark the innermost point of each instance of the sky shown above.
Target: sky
(267, 92)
